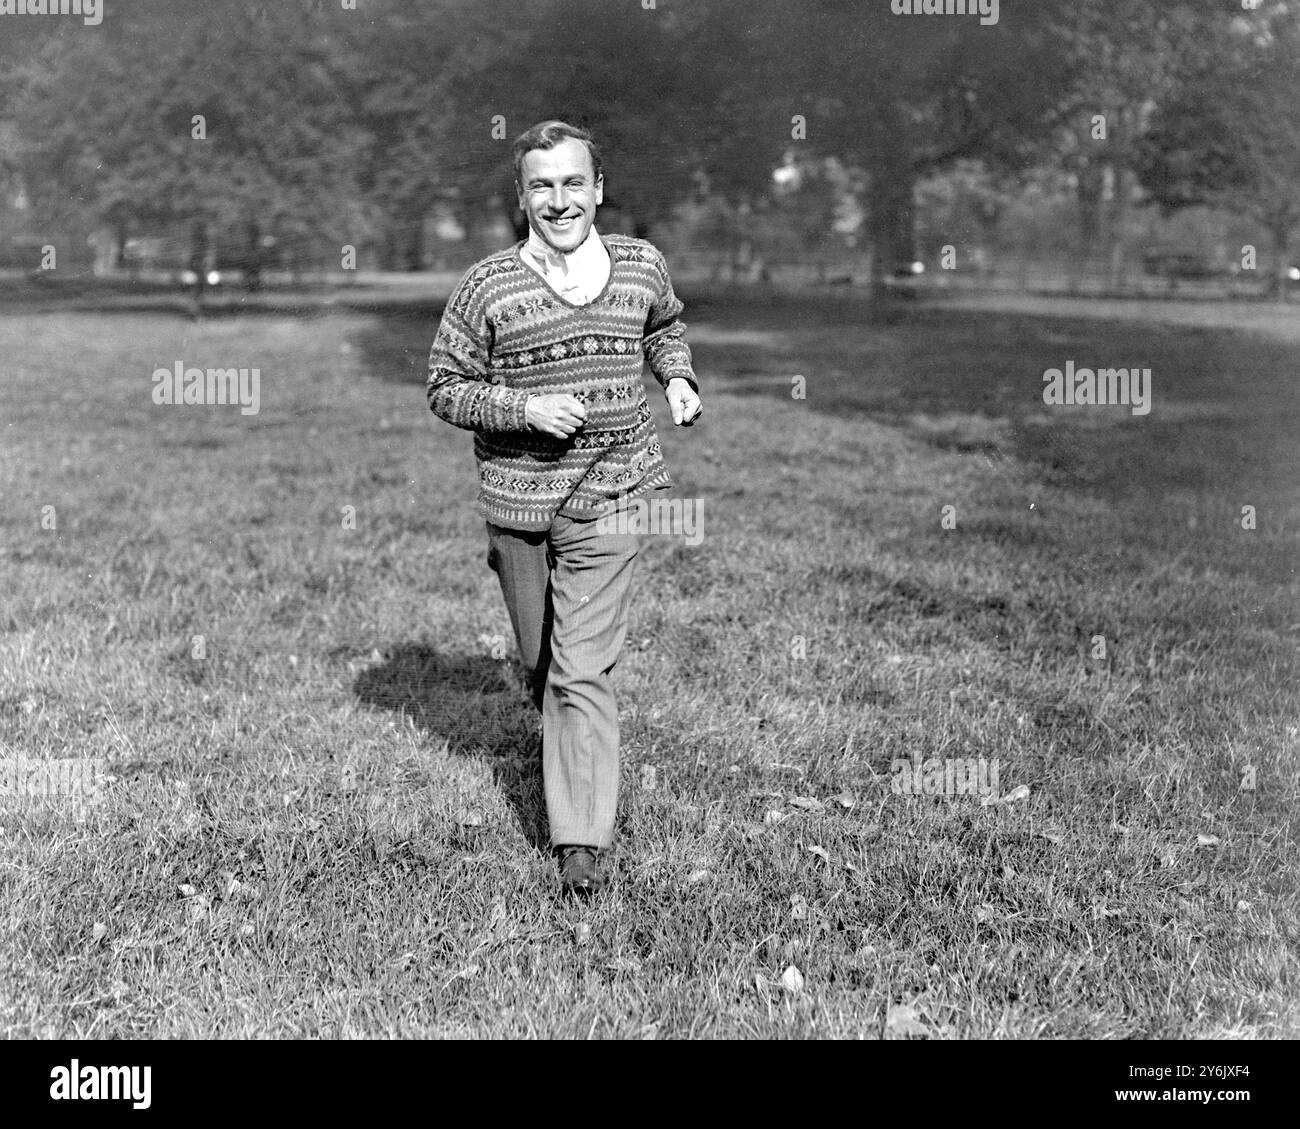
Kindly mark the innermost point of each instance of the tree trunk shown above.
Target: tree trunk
(200, 252)
(388, 254)
(415, 240)
(892, 232)
(1088, 194)
(1282, 240)
(121, 233)
(253, 255)
(1118, 234)
(1091, 187)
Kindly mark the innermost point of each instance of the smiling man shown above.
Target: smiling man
(540, 354)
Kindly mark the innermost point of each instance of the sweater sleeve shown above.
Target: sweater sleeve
(459, 388)
(665, 337)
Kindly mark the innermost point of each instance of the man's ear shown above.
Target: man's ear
(600, 189)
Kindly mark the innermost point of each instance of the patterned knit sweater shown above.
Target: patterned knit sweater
(506, 335)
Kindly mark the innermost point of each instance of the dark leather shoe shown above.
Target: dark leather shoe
(579, 873)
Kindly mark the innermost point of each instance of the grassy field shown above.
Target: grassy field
(267, 775)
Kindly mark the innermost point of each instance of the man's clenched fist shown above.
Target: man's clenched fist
(683, 401)
(556, 413)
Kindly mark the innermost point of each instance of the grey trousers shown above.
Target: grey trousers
(568, 591)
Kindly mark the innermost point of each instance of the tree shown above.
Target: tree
(900, 97)
(209, 123)
(1231, 135)
(328, 126)
(1124, 59)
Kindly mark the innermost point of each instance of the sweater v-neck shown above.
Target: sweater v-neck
(519, 258)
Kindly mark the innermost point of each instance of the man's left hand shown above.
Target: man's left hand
(683, 401)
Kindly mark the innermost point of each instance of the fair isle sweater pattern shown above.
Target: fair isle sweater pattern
(506, 335)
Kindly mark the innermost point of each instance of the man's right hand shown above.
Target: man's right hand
(556, 413)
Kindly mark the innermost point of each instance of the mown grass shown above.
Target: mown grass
(330, 823)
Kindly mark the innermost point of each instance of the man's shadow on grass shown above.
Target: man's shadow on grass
(478, 706)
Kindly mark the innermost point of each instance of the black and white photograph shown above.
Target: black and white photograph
(651, 520)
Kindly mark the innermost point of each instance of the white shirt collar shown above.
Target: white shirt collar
(581, 272)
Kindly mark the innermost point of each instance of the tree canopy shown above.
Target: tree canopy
(326, 125)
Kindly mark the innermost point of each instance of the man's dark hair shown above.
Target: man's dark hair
(547, 135)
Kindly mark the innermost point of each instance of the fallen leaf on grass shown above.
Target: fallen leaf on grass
(1019, 792)
(99, 931)
(1207, 840)
(903, 1021)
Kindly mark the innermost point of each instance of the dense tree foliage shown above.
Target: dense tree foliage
(324, 126)
(1229, 134)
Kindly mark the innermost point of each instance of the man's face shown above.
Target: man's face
(559, 193)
